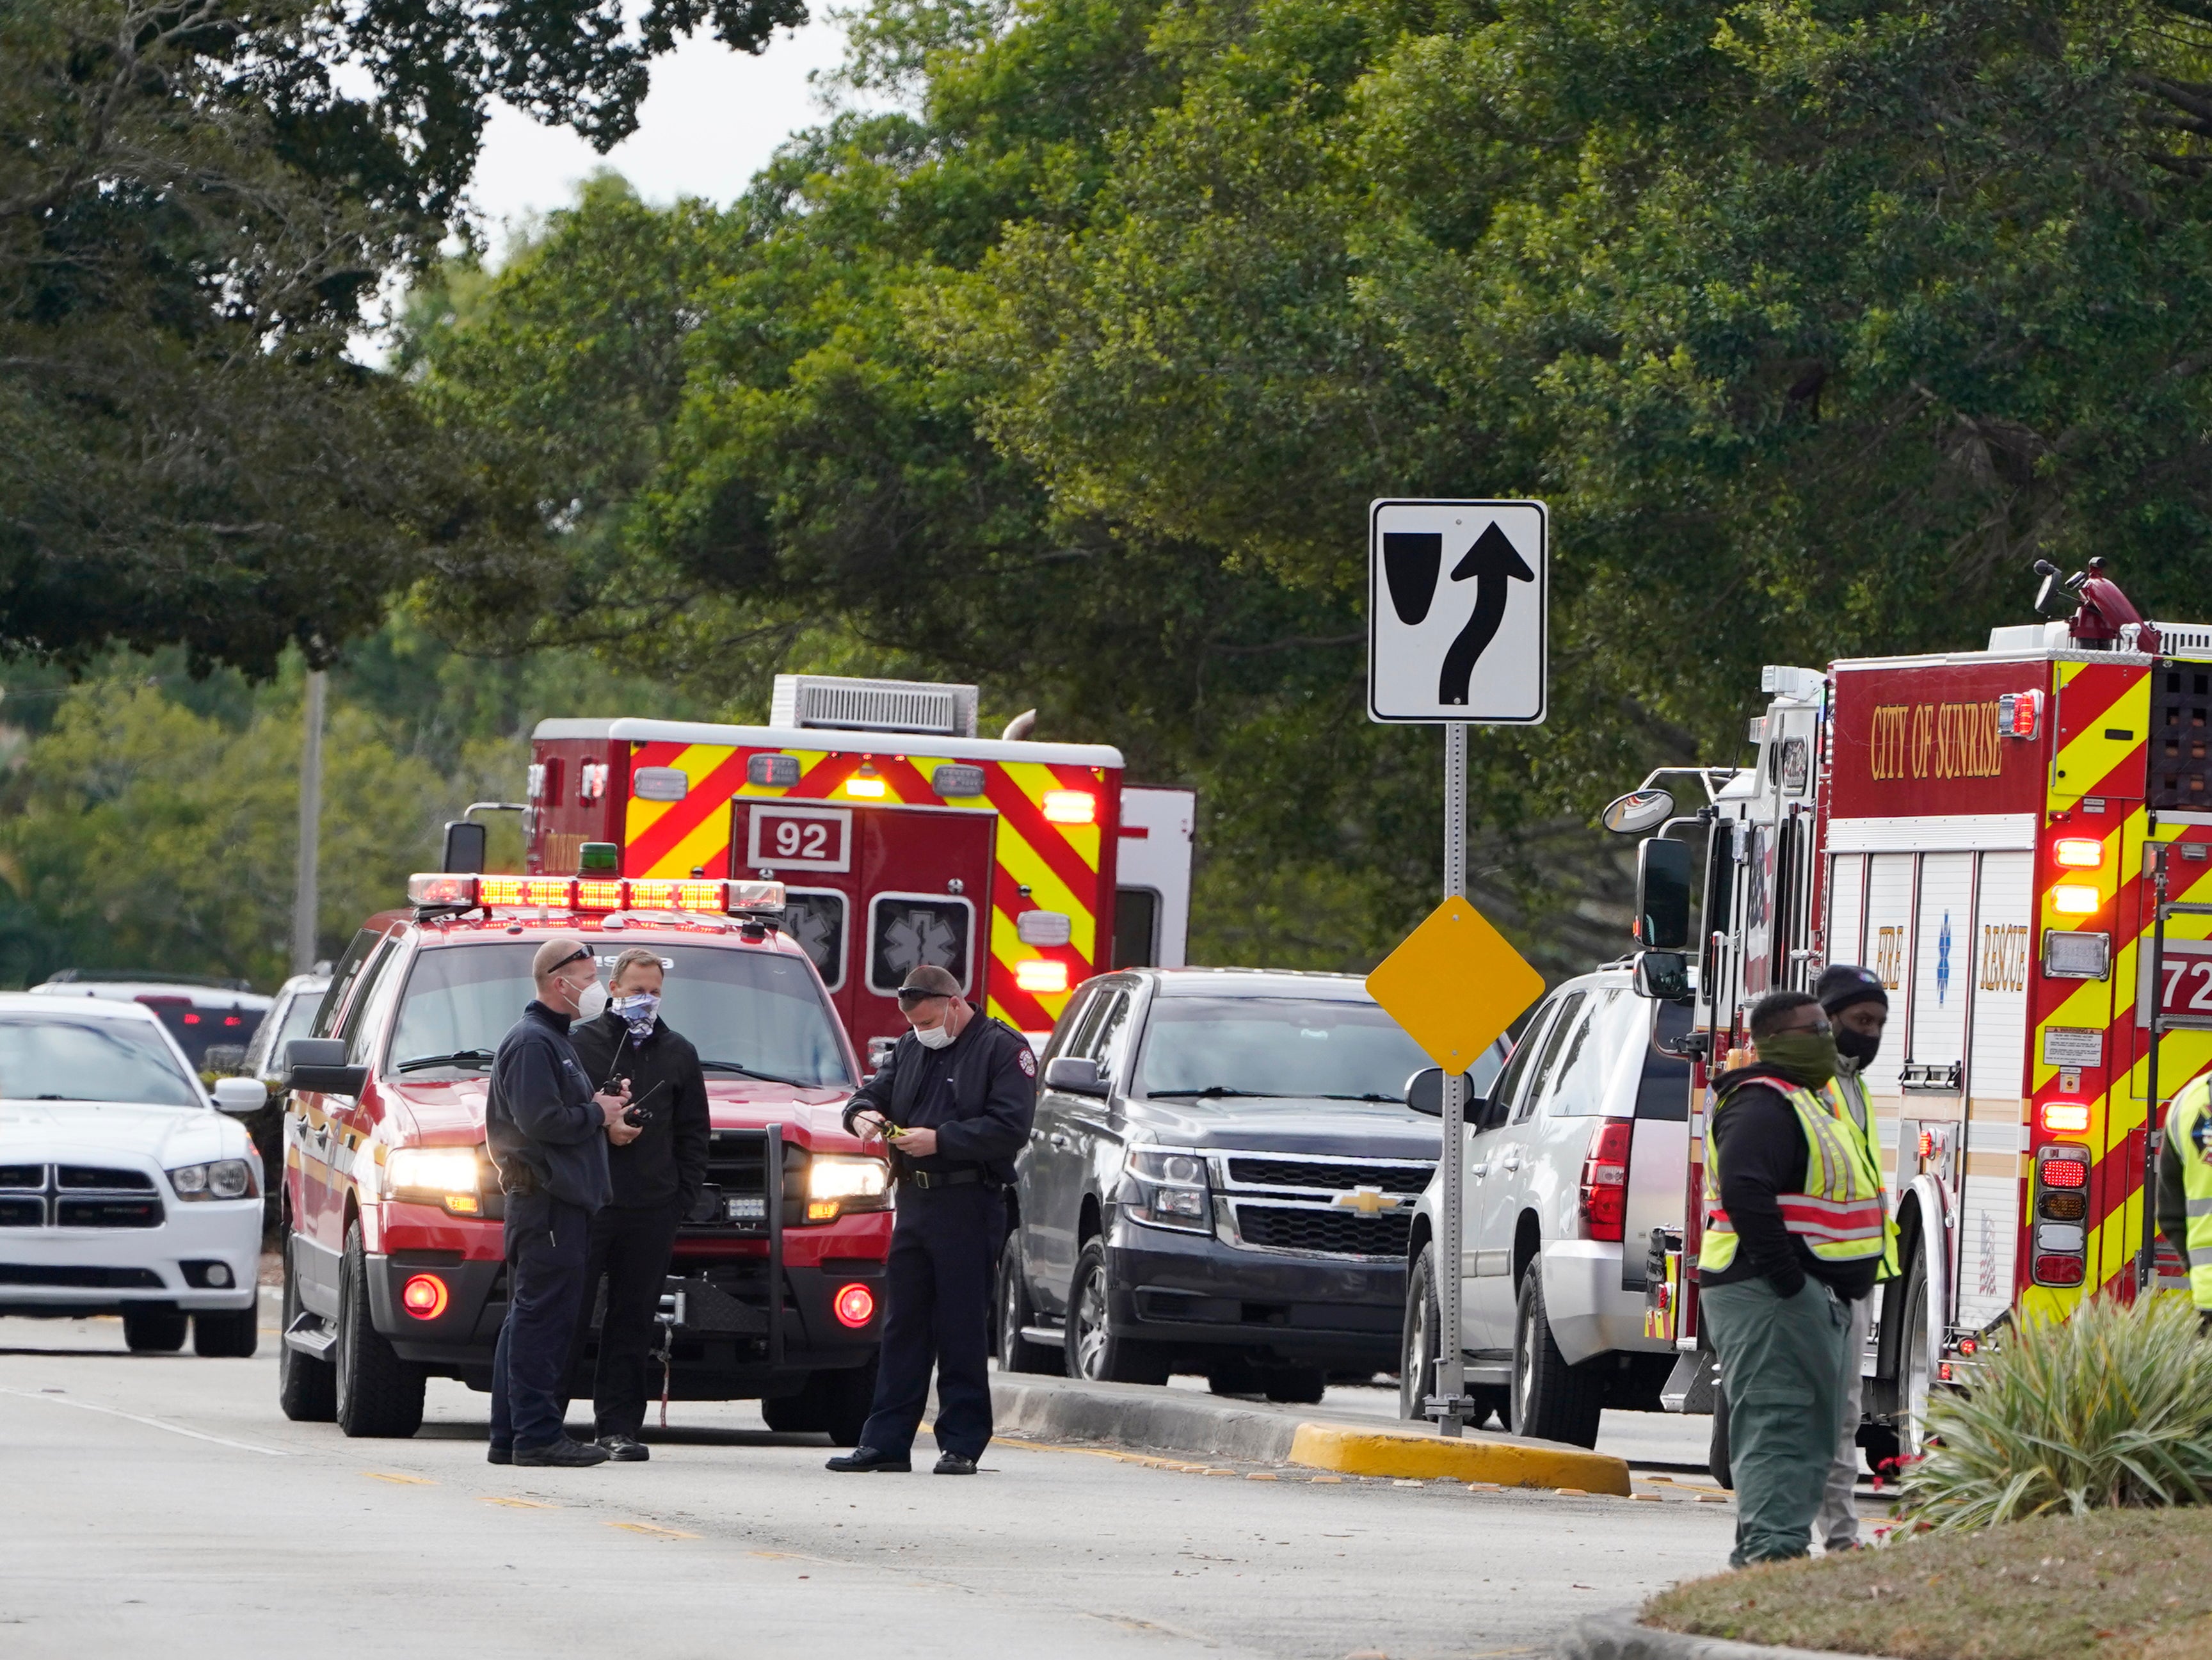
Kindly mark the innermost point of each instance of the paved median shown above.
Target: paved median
(1179, 1420)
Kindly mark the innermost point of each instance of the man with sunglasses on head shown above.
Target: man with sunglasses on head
(548, 1130)
(656, 1179)
(954, 1100)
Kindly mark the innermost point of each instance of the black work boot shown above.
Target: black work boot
(563, 1454)
(868, 1459)
(954, 1463)
(625, 1448)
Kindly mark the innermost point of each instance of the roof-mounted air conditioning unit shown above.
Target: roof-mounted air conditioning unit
(802, 701)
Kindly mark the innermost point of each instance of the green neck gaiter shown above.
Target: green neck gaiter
(1804, 1057)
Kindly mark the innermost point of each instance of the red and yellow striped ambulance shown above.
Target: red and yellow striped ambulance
(900, 837)
(1979, 829)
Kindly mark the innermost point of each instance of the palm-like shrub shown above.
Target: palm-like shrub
(2111, 1408)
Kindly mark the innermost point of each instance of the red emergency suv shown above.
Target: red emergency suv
(393, 1267)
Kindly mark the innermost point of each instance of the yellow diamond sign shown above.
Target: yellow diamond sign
(1454, 984)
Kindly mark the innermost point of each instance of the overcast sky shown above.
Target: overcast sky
(713, 120)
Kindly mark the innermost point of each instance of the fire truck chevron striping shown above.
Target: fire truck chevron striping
(899, 843)
(1978, 828)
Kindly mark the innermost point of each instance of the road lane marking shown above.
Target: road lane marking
(151, 1423)
(648, 1527)
(393, 1476)
(513, 1504)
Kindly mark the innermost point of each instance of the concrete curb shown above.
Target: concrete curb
(1617, 1639)
(1139, 1416)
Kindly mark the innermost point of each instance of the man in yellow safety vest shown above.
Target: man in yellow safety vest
(1859, 1008)
(1793, 1236)
(2184, 1187)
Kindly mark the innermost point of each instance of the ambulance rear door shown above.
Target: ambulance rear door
(1152, 888)
(874, 892)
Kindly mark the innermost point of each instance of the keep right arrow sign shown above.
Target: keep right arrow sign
(1458, 610)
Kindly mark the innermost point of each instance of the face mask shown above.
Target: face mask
(1804, 1057)
(932, 1037)
(1858, 1046)
(592, 1001)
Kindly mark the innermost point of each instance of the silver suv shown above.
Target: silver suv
(1573, 1160)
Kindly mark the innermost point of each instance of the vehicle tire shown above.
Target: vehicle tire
(1552, 1399)
(1016, 1351)
(153, 1331)
(842, 1400)
(1093, 1352)
(1417, 1344)
(1299, 1386)
(379, 1395)
(1418, 1353)
(1232, 1374)
(792, 1415)
(1913, 1380)
(226, 1333)
(1716, 1449)
(306, 1388)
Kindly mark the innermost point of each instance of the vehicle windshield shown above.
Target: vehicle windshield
(750, 1011)
(43, 1059)
(1292, 1046)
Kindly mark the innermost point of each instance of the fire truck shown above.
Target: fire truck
(2014, 839)
(901, 838)
(392, 1212)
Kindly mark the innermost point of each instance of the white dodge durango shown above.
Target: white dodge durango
(123, 1189)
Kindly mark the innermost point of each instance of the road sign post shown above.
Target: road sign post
(1450, 644)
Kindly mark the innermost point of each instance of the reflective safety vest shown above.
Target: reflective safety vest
(2191, 1106)
(1846, 1097)
(1838, 1215)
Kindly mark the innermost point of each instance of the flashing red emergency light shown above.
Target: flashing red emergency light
(594, 893)
(424, 1297)
(1041, 974)
(1070, 807)
(2062, 1117)
(855, 1305)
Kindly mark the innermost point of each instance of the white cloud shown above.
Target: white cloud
(711, 121)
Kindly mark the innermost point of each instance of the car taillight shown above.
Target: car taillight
(1605, 1179)
(2059, 1270)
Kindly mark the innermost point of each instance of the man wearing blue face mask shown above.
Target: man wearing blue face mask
(656, 1180)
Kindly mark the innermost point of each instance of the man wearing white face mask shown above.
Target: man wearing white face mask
(548, 1131)
(656, 1179)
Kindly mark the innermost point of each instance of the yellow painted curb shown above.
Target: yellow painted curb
(1374, 1449)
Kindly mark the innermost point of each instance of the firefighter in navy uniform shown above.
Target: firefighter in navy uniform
(954, 1100)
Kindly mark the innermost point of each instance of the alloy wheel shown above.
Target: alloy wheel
(1091, 1324)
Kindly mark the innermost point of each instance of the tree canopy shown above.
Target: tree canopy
(1816, 323)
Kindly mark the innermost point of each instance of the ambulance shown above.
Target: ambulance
(1986, 830)
(901, 838)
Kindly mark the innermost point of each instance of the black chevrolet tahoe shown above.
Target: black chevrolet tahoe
(1221, 1180)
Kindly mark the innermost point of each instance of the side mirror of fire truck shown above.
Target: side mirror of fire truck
(317, 1066)
(1662, 894)
(1663, 975)
(1637, 811)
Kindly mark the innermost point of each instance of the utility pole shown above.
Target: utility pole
(311, 821)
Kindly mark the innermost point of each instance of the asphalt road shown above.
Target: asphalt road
(161, 1503)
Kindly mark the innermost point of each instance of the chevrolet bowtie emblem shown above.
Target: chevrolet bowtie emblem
(1368, 1201)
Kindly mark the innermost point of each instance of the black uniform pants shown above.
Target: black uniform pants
(631, 1248)
(937, 1291)
(546, 1241)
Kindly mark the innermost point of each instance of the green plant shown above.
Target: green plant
(2113, 1408)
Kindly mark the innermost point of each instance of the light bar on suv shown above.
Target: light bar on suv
(431, 890)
